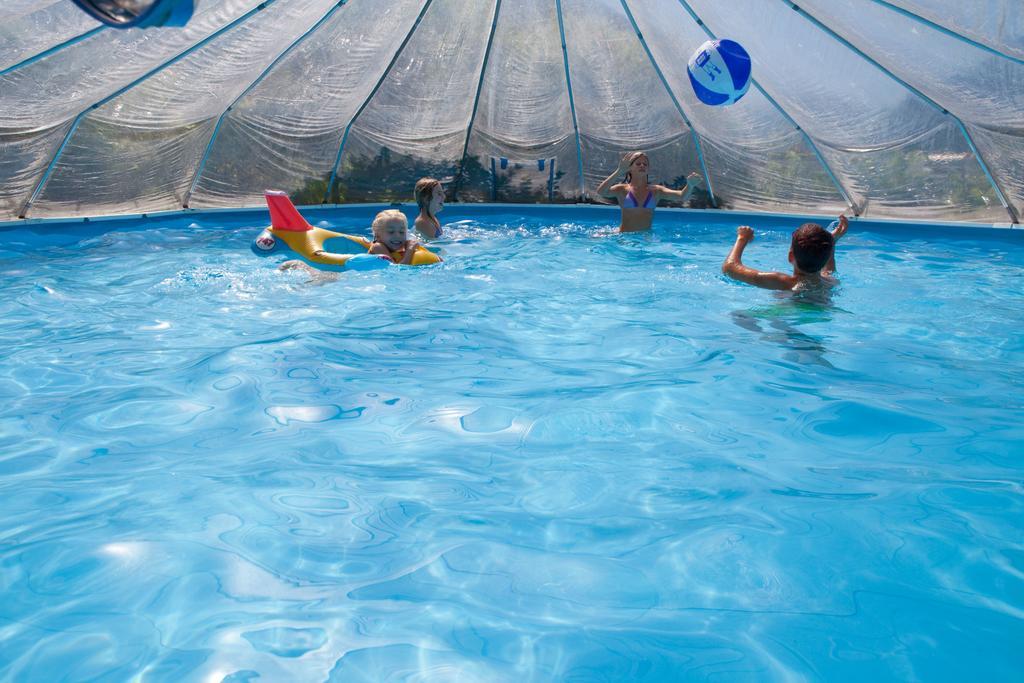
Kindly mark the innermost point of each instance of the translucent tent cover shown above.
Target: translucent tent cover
(901, 109)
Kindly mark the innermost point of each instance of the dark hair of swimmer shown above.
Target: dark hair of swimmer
(812, 247)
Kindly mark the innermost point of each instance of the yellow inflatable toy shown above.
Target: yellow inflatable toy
(290, 230)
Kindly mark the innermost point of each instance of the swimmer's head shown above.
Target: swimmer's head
(430, 195)
(639, 163)
(811, 248)
(391, 228)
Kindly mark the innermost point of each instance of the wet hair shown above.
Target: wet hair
(387, 216)
(425, 193)
(633, 156)
(812, 247)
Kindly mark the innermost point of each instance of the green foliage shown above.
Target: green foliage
(798, 164)
(387, 176)
(953, 178)
(313, 191)
(936, 169)
(700, 198)
(391, 177)
(473, 182)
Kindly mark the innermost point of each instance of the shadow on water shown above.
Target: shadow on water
(779, 323)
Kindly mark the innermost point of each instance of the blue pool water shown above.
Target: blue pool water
(564, 454)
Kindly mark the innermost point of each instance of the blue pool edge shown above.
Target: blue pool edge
(483, 209)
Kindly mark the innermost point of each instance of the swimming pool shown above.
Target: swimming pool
(564, 454)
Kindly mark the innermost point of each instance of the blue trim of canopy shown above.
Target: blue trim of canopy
(96, 105)
(807, 138)
(476, 100)
(679, 108)
(220, 120)
(366, 102)
(878, 65)
(52, 51)
(572, 101)
(948, 31)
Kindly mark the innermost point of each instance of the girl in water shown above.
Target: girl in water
(636, 197)
(430, 198)
(391, 235)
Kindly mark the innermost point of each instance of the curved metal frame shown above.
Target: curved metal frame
(120, 91)
(963, 129)
(476, 101)
(366, 102)
(220, 120)
(948, 31)
(53, 50)
(672, 96)
(50, 168)
(572, 101)
(807, 138)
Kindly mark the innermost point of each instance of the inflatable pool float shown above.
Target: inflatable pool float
(290, 231)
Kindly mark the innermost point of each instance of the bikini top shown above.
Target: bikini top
(437, 226)
(630, 201)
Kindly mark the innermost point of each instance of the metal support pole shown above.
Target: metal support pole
(963, 129)
(177, 58)
(216, 129)
(572, 101)
(366, 102)
(52, 51)
(672, 96)
(476, 101)
(807, 138)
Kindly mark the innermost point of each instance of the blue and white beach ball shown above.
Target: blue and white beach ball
(719, 72)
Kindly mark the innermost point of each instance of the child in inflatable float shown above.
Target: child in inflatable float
(391, 238)
(289, 230)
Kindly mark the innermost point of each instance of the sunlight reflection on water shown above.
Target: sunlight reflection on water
(564, 454)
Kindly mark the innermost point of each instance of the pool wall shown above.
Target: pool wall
(453, 212)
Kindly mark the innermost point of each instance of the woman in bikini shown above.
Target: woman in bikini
(638, 198)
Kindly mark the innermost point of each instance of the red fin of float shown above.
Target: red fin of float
(283, 214)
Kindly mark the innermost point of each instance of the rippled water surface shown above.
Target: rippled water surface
(564, 454)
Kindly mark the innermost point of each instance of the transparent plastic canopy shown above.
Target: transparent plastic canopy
(899, 109)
